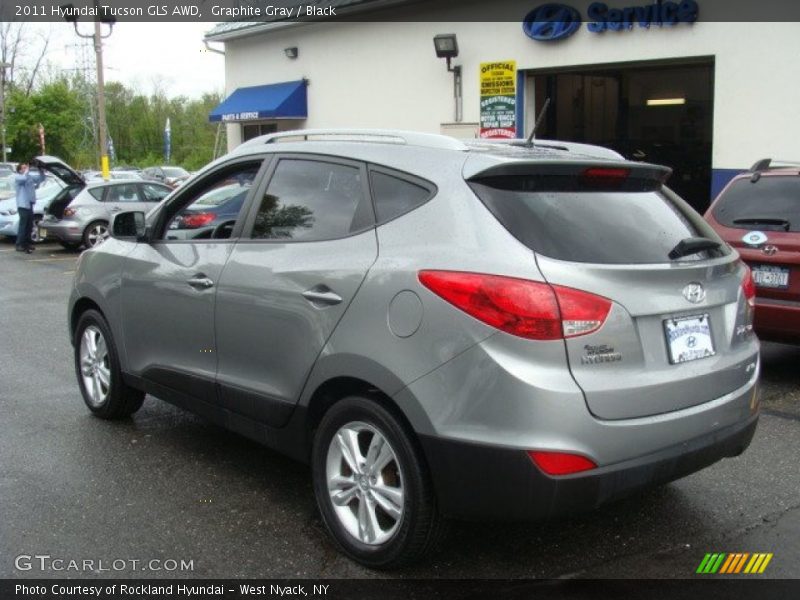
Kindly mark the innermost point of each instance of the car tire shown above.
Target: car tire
(35, 239)
(383, 518)
(95, 233)
(98, 371)
(70, 245)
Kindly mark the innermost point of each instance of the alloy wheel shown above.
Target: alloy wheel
(97, 234)
(95, 366)
(365, 483)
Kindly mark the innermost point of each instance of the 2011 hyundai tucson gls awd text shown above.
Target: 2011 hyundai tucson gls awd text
(441, 329)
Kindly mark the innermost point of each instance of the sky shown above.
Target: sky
(146, 55)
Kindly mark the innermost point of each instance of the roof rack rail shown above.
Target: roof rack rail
(765, 164)
(382, 136)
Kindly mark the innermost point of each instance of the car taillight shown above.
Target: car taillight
(749, 287)
(529, 309)
(560, 463)
(196, 220)
(70, 212)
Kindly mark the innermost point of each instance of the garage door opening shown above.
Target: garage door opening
(649, 112)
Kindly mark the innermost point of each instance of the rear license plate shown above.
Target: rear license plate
(42, 233)
(689, 338)
(769, 276)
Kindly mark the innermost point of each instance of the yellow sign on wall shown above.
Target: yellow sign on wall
(498, 81)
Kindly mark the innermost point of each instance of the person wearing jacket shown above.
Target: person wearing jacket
(26, 184)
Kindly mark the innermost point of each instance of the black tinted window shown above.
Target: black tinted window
(97, 192)
(772, 202)
(311, 200)
(394, 197)
(610, 227)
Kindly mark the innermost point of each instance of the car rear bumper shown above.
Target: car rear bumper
(63, 231)
(476, 481)
(777, 320)
(9, 226)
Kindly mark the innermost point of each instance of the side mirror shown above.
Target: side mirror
(129, 225)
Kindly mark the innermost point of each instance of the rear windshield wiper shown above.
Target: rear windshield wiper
(692, 245)
(763, 221)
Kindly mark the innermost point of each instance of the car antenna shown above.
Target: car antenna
(532, 136)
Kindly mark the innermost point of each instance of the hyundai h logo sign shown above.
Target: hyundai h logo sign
(551, 22)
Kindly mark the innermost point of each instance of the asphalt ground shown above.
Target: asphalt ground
(167, 486)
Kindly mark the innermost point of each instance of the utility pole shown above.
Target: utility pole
(3, 107)
(97, 38)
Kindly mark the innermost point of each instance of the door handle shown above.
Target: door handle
(200, 282)
(116, 209)
(322, 295)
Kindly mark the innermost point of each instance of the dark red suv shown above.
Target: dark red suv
(758, 213)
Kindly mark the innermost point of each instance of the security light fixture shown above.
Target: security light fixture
(446, 47)
(290, 52)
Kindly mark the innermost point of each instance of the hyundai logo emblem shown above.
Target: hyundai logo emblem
(551, 22)
(694, 292)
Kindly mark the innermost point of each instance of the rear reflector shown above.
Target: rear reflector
(529, 309)
(560, 463)
(749, 287)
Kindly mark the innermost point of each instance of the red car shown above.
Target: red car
(758, 213)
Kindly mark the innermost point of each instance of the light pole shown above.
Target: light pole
(3, 107)
(97, 38)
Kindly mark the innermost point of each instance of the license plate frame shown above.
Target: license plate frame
(764, 274)
(689, 338)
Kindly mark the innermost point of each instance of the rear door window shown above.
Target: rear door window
(312, 200)
(599, 226)
(771, 202)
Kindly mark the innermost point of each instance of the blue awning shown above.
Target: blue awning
(275, 101)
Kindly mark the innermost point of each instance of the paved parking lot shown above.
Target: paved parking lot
(168, 486)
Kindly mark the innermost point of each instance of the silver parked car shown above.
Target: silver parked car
(441, 329)
(47, 191)
(82, 218)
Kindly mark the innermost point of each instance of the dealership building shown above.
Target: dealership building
(655, 81)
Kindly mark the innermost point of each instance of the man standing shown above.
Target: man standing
(26, 184)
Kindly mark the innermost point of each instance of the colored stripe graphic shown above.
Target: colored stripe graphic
(730, 563)
(765, 563)
(741, 562)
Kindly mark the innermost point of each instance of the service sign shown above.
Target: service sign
(498, 99)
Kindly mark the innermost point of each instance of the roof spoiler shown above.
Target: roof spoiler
(765, 164)
(573, 175)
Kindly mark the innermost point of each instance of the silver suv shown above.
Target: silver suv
(441, 329)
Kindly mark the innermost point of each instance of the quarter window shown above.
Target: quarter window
(394, 196)
(309, 200)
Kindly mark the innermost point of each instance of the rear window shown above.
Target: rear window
(610, 227)
(772, 202)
